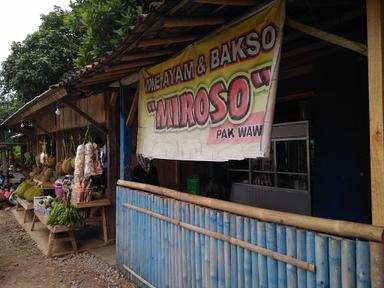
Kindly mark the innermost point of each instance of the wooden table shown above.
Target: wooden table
(14, 181)
(24, 204)
(53, 230)
(100, 203)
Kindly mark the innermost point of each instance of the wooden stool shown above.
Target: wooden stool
(54, 232)
(24, 204)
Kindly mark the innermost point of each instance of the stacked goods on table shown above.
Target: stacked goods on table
(88, 171)
(28, 190)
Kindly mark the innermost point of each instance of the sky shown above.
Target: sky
(18, 18)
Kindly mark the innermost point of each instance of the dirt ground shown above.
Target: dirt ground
(23, 265)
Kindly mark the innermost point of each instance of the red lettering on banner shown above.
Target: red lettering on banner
(220, 106)
(239, 98)
(186, 103)
(232, 102)
(201, 107)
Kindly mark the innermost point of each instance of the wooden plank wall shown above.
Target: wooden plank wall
(69, 119)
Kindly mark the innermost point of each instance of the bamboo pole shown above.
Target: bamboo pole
(218, 236)
(334, 227)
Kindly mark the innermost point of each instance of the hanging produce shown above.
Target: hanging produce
(43, 155)
(97, 162)
(89, 168)
(79, 161)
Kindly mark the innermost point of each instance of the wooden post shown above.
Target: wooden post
(376, 123)
(125, 134)
(112, 140)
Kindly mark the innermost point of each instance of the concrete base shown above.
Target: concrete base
(88, 239)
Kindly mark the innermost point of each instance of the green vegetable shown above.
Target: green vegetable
(60, 215)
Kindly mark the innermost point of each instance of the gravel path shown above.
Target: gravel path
(23, 265)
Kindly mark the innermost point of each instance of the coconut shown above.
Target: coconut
(59, 168)
(48, 172)
(73, 161)
(52, 179)
(45, 179)
(67, 168)
(36, 170)
(51, 162)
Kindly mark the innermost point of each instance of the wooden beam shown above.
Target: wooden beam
(131, 65)
(375, 37)
(295, 97)
(328, 37)
(86, 117)
(295, 72)
(54, 96)
(146, 54)
(113, 99)
(191, 22)
(126, 81)
(166, 41)
(230, 2)
(178, 6)
(133, 110)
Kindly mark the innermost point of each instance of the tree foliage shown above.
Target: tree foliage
(42, 59)
(102, 23)
(64, 41)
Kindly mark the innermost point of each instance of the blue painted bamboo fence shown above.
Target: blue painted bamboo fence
(163, 242)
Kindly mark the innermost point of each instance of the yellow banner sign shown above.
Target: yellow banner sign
(215, 100)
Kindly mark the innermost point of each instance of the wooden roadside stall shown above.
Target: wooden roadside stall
(310, 213)
(63, 120)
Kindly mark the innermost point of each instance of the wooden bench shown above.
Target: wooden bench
(53, 231)
(24, 204)
(100, 203)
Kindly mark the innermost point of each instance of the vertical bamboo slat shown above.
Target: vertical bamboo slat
(247, 255)
(213, 251)
(301, 254)
(335, 263)
(240, 252)
(362, 264)
(348, 263)
(281, 248)
(291, 251)
(311, 277)
(271, 263)
(254, 257)
(227, 251)
(233, 252)
(198, 265)
(220, 252)
(322, 267)
(261, 241)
